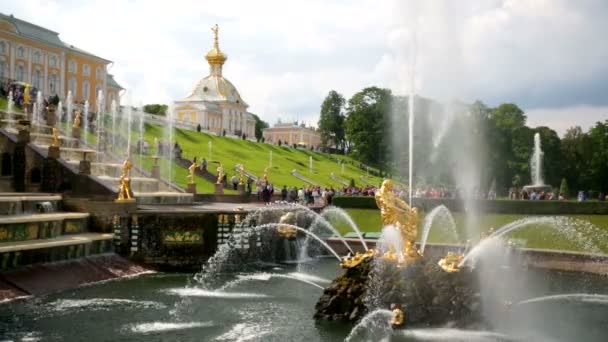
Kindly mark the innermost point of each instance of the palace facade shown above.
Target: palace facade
(214, 103)
(36, 55)
(292, 134)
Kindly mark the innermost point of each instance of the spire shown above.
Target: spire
(215, 56)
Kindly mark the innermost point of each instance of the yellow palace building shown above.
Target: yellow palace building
(36, 55)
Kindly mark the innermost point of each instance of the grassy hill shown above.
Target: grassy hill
(255, 157)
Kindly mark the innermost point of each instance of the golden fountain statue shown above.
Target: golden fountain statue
(241, 174)
(265, 178)
(55, 137)
(125, 194)
(451, 262)
(190, 175)
(76, 120)
(396, 212)
(398, 316)
(352, 261)
(285, 231)
(220, 174)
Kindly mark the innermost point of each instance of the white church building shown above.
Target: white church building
(214, 103)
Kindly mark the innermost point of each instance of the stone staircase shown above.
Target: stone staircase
(34, 229)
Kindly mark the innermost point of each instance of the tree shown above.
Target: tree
(367, 122)
(198, 127)
(563, 188)
(157, 109)
(598, 165)
(331, 121)
(259, 127)
(280, 142)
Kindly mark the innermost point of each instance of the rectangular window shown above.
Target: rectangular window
(86, 70)
(72, 66)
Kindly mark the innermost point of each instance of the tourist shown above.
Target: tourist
(301, 196)
(235, 181)
(259, 189)
(284, 193)
(146, 147)
(292, 197)
(315, 196)
(204, 165)
(249, 182)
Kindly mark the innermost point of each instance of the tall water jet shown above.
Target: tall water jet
(536, 162)
(69, 118)
(39, 106)
(210, 147)
(85, 120)
(129, 115)
(310, 163)
(100, 120)
(410, 108)
(140, 142)
(447, 223)
(58, 112)
(169, 142)
(114, 112)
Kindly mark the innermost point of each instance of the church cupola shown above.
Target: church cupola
(215, 56)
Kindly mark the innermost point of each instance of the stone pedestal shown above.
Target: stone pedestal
(156, 171)
(84, 168)
(219, 188)
(76, 132)
(53, 152)
(241, 189)
(23, 127)
(191, 188)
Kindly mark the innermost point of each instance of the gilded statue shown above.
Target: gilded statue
(266, 175)
(241, 174)
(398, 316)
(191, 170)
(26, 95)
(76, 120)
(352, 261)
(395, 211)
(220, 174)
(125, 193)
(285, 228)
(451, 262)
(55, 137)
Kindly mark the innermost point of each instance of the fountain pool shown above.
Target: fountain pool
(260, 307)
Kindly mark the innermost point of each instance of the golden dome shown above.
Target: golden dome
(215, 55)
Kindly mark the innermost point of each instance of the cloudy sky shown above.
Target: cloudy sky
(548, 56)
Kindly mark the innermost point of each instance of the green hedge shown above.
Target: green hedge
(490, 206)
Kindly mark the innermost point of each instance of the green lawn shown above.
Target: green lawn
(255, 157)
(534, 236)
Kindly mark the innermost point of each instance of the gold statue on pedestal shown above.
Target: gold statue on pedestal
(190, 175)
(220, 174)
(76, 119)
(125, 194)
(55, 137)
(395, 211)
(241, 174)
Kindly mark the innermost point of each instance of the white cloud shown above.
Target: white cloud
(285, 56)
(560, 119)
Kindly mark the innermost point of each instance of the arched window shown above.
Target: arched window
(72, 66)
(53, 84)
(37, 57)
(21, 52)
(53, 61)
(37, 79)
(3, 47)
(20, 74)
(86, 70)
(72, 86)
(85, 90)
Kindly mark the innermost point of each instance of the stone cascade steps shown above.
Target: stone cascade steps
(34, 229)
